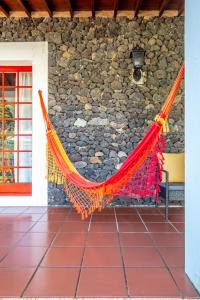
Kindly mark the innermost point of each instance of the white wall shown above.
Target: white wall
(192, 140)
(35, 54)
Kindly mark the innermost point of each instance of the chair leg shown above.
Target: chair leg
(167, 198)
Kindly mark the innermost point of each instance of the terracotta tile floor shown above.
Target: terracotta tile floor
(121, 252)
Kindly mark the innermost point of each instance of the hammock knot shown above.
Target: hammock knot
(162, 121)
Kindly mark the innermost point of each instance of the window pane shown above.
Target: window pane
(10, 79)
(9, 95)
(9, 126)
(9, 142)
(25, 159)
(9, 110)
(25, 126)
(9, 159)
(25, 175)
(9, 176)
(25, 143)
(25, 110)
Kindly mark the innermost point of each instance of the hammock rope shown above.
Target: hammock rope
(139, 176)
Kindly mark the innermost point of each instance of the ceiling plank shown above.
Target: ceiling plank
(93, 8)
(25, 8)
(4, 11)
(181, 9)
(47, 8)
(138, 6)
(69, 7)
(163, 7)
(116, 4)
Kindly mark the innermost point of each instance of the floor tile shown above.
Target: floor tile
(168, 239)
(59, 209)
(174, 210)
(141, 257)
(7, 239)
(125, 210)
(151, 282)
(30, 217)
(183, 282)
(176, 218)
(135, 239)
(50, 226)
(148, 210)
(24, 256)
(14, 280)
(53, 217)
(37, 239)
(128, 218)
(102, 257)
(71, 239)
(179, 226)
(152, 218)
(75, 226)
(19, 226)
(3, 251)
(132, 227)
(75, 217)
(14, 210)
(63, 257)
(173, 256)
(53, 282)
(96, 239)
(160, 227)
(103, 218)
(102, 282)
(36, 209)
(103, 227)
(105, 211)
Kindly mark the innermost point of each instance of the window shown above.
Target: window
(16, 130)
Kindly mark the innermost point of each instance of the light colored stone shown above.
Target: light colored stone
(99, 154)
(80, 123)
(72, 135)
(113, 154)
(98, 122)
(82, 99)
(95, 160)
(80, 164)
(118, 166)
(88, 106)
(121, 154)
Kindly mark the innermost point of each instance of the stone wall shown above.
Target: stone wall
(100, 114)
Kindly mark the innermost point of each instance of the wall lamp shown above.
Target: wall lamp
(137, 55)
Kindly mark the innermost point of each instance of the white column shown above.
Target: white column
(192, 141)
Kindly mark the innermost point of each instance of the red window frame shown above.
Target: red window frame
(16, 188)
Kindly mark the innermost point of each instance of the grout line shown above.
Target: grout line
(121, 252)
(81, 264)
(32, 276)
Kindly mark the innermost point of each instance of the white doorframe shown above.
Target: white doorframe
(35, 54)
(192, 141)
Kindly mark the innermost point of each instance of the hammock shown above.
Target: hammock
(139, 176)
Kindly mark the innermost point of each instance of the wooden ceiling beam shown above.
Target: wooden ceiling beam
(47, 8)
(181, 9)
(116, 4)
(25, 7)
(69, 7)
(163, 7)
(93, 8)
(4, 10)
(137, 7)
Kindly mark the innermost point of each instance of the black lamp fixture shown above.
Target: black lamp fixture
(137, 56)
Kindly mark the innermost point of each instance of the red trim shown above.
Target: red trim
(18, 189)
(15, 68)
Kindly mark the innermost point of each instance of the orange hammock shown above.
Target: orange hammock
(139, 176)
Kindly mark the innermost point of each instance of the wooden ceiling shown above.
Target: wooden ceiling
(90, 8)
